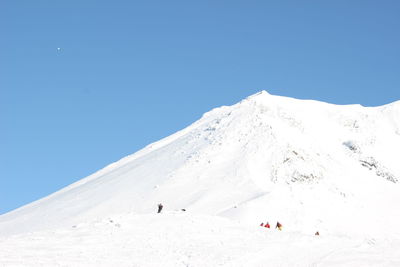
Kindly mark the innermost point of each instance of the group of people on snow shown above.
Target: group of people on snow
(279, 226)
(267, 225)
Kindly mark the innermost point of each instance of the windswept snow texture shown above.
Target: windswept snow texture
(312, 166)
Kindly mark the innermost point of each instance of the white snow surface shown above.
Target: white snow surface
(310, 165)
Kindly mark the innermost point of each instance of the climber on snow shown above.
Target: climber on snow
(279, 226)
(160, 206)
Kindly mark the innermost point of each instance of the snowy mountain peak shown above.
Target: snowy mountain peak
(294, 160)
(264, 98)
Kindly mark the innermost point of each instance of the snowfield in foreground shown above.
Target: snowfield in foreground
(184, 239)
(312, 166)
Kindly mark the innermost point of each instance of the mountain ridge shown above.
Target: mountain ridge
(264, 156)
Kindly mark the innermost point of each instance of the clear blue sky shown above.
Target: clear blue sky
(131, 72)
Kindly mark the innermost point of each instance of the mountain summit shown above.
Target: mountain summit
(310, 164)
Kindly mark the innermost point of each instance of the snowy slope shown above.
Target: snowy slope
(185, 239)
(311, 165)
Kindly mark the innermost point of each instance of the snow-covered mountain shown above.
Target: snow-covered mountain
(311, 165)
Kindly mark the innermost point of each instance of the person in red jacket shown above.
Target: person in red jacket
(262, 224)
(267, 225)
